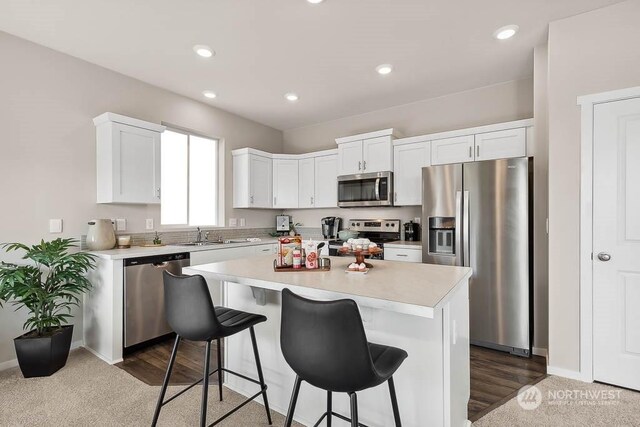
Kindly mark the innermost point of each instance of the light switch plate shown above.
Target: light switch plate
(55, 226)
(243, 222)
(121, 224)
(149, 224)
(233, 222)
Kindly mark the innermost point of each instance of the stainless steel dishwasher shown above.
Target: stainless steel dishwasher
(144, 315)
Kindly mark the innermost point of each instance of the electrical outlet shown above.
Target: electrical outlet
(55, 226)
(149, 224)
(242, 222)
(416, 220)
(233, 222)
(121, 224)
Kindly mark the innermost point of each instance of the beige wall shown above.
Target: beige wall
(588, 53)
(47, 146)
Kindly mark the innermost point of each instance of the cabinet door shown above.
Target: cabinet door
(285, 183)
(326, 181)
(136, 165)
(350, 158)
(452, 150)
(403, 255)
(409, 159)
(260, 182)
(501, 144)
(306, 183)
(377, 154)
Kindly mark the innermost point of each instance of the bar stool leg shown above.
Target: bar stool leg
(205, 386)
(260, 376)
(292, 404)
(165, 383)
(329, 409)
(219, 368)
(354, 409)
(394, 402)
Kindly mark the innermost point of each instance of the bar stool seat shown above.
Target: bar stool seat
(386, 360)
(234, 321)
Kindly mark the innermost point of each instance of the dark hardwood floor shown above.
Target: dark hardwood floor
(496, 377)
(150, 364)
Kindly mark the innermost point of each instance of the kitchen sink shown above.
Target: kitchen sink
(198, 244)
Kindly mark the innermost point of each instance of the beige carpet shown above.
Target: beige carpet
(565, 402)
(89, 392)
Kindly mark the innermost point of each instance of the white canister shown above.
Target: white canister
(101, 235)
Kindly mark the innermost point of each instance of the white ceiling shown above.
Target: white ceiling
(327, 53)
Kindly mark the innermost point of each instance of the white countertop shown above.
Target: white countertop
(140, 251)
(411, 288)
(403, 244)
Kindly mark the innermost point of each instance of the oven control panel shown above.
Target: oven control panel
(374, 225)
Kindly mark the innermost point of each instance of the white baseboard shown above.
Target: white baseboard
(566, 373)
(14, 362)
(101, 357)
(539, 351)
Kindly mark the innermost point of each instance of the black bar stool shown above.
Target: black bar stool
(325, 344)
(191, 314)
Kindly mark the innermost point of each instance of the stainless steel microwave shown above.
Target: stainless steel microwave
(365, 189)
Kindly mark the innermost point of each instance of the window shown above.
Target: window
(189, 179)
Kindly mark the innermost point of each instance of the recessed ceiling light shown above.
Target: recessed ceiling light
(384, 69)
(291, 97)
(506, 32)
(209, 94)
(315, 1)
(204, 51)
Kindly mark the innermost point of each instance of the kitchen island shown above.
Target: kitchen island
(421, 308)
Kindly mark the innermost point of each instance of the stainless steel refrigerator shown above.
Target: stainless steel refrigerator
(479, 215)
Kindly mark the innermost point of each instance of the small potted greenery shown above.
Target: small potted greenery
(48, 286)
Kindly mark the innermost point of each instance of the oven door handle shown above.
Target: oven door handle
(377, 188)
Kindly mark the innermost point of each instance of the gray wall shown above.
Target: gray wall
(589, 53)
(48, 147)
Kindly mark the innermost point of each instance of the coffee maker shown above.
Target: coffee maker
(411, 231)
(330, 227)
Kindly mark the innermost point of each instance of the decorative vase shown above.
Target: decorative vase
(101, 235)
(42, 356)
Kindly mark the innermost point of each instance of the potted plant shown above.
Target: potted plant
(48, 286)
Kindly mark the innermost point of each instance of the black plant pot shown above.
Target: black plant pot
(42, 356)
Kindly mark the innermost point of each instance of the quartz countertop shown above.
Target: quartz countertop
(411, 288)
(404, 244)
(141, 251)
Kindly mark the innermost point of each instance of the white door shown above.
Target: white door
(285, 183)
(350, 158)
(306, 182)
(502, 144)
(452, 150)
(260, 181)
(409, 159)
(326, 181)
(616, 243)
(377, 154)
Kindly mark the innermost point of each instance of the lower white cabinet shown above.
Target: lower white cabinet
(285, 183)
(326, 181)
(409, 159)
(306, 182)
(408, 254)
(502, 144)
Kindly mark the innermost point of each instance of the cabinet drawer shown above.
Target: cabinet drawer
(406, 255)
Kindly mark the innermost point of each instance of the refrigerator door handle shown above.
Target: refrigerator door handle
(458, 236)
(465, 230)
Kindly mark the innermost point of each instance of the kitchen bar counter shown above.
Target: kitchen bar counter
(421, 308)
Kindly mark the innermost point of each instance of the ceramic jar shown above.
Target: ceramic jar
(101, 235)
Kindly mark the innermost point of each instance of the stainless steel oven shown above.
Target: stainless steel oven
(366, 189)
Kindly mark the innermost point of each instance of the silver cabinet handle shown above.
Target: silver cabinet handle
(395, 196)
(251, 199)
(478, 151)
(265, 250)
(402, 255)
(312, 200)
(603, 256)
(364, 165)
(470, 152)
(359, 165)
(274, 201)
(158, 193)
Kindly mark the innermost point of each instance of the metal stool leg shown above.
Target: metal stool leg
(294, 400)
(260, 376)
(394, 402)
(329, 409)
(205, 386)
(354, 410)
(219, 368)
(165, 383)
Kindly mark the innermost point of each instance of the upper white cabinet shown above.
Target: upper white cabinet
(501, 144)
(326, 181)
(452, 150)
(306, 182)
(285, 183)
(128, 160)
(366, 153)
(409, 159)
(252, 179)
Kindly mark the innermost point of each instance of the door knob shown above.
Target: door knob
(603, 256)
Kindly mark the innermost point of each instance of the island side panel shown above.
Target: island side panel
(419, 381)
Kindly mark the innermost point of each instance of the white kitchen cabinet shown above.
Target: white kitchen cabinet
(366, 153)
(502, 144)
(409, 159)
(326, 181)
(252, 179)
(270, 248)
(350, 155)
(127, 160)
(452, 150)
(407, 254)
(306, 182)
(285, 183)
(377, 154)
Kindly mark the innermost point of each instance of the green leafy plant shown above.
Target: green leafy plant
(49, 286)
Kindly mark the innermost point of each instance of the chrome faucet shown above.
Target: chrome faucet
(199, 235)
